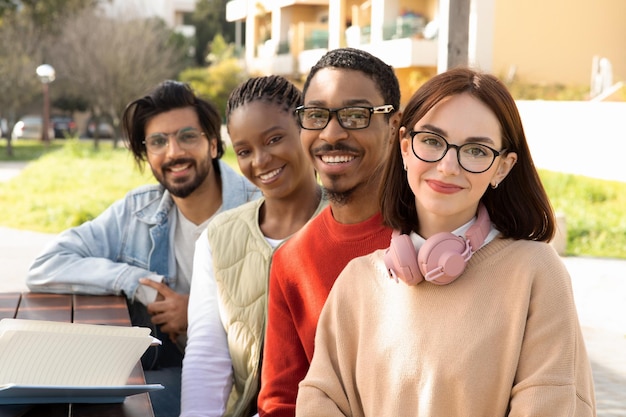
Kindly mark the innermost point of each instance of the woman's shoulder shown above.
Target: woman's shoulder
(532, 259)
(236, 213)
(240, 221)
(517, 250)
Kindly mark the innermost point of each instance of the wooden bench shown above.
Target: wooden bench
(111, 310)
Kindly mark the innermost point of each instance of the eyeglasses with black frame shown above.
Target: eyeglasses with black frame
(187, 138)
(472, 157)
(351, 118)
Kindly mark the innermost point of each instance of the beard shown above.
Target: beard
(344, 197)
(184, 187)
(331, 191)
(339, 197)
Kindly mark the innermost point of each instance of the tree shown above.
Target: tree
(44, 11)
(209, 19)
(111, 62)
(7, 7)
(19, 83)
(46, 15)
(27, 27)
(218, 80)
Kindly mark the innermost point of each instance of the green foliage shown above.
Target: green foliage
(70, 103)
(594, 214)
(216, 81)
(209, 19)
(220, 50)
(528, 91)
(68, 186)
(180, 42)
(7, 6)
(48, 14)
(27, 149)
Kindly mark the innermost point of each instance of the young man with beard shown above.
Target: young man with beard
(349, 120)
(142, 246)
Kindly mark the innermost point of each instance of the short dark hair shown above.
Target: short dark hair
(272, 89)
(166, 96)
(382, 74)
(519, 207)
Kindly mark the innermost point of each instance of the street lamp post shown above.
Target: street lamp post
(46, 75)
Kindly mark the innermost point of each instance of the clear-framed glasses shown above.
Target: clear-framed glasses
(472, 157)
(187, 138)
(353, 117)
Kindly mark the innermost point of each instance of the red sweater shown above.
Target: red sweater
(302, 273)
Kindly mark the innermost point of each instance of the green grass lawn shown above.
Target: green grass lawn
(28, 150)
(66, 186)
(69, 182)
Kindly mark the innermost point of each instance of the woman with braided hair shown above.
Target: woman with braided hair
(227, 303)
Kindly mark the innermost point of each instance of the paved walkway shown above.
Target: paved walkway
(607, 352)
(600, 293)
(10, 169)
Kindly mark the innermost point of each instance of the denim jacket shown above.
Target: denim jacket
(130, 240)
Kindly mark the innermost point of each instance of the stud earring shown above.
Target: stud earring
(494, 185)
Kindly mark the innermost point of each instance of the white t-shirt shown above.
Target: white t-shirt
(207, 368)
(185, 236)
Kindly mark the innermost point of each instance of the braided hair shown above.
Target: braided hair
(271, 89)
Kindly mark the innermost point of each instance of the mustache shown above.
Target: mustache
(339, 146)
(170, 164)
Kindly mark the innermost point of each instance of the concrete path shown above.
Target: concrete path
(18, 248)
(10, 169)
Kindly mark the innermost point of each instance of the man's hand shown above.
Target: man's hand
(169, 310)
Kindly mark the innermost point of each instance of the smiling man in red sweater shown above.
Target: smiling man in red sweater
(349, 122)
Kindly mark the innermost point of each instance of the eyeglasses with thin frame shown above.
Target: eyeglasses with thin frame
(352, 117)
(187, 138)
(472, 157)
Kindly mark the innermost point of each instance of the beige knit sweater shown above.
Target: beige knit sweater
(502, 340)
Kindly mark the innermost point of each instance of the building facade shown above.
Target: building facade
(535, 41)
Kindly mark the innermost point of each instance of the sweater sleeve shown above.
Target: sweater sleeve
(553, 374)
(207, 368)
(284, 358)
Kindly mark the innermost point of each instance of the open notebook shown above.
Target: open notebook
(35, 354)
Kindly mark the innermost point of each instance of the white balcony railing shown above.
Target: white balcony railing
(405, 52)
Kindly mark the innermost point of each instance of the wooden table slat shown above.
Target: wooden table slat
(9, 303)
(52, 307)
(110, 310)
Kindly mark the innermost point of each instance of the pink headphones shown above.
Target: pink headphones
(441, 259)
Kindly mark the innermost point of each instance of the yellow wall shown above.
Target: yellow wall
(307, 13)
(427, 8)
(411, 79)
(552, 41)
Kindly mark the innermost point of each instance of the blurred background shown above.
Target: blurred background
(104, 53)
